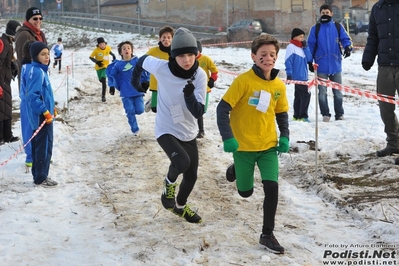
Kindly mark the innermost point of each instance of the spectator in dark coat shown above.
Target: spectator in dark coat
(8, 71)
(382, 42)
(30, 31)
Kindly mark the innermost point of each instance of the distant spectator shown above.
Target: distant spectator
(324, 43)
(26, 129)
(297, 56)
(382, 42)
(8, 71)
(41, 109)
(30, 31)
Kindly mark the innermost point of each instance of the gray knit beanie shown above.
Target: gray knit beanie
(183, 42)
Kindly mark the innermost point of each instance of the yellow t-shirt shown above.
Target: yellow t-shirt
(207, 64)
(101, 55)
(255, 130)
(156, 52)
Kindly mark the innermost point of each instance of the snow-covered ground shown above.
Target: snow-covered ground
(106, 209)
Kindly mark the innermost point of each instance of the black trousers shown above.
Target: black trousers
(5, 130)
(184, 159)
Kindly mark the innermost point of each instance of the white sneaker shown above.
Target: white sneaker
(47, 183)
(147, 106)
(137, 133)
(326, 118)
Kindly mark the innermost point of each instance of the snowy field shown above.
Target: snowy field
(106, 209)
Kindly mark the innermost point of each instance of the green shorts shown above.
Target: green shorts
(206, 102)
(101, 73)
(244, 163)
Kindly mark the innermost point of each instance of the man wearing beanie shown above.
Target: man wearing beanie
(40, 112)
(325, 41)
(181, 99)
(30, 31)
(8, 71)
(297, 57)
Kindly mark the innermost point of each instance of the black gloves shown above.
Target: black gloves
(145, 85)
(211, 83)
(366, 66)
(311, 68)
(304, 44)
(99, 63)
(188, 89)
(112, 90)
(347, 52)
(289, 77)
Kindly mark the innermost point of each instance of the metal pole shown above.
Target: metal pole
(227, 14)
(138, 17)
(98, 14)
(316, 146)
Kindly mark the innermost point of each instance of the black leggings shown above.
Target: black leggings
(183, 158)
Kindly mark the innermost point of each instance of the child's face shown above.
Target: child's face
(185, 61)
(102, 45)
(127, 51)
(265, 58)
(326, 12)
(166, 39)
(299, 38)
(44, 57)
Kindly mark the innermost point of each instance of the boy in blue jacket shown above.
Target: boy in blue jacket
(41, 109)
(297, 56)
(119, 76)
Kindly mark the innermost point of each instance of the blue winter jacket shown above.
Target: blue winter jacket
(328, 51)
(120, 74)
(383, 38)
(40, 94)
(296, 62)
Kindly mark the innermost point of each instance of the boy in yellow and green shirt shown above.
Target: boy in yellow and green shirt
(162, 51)
(246, 118)
(207, 64)
(100, 56)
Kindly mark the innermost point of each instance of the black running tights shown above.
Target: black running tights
(183, 158)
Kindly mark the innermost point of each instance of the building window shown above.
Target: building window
(297, 5)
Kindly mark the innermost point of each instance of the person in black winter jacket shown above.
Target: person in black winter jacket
(382, 42)
(8, 71)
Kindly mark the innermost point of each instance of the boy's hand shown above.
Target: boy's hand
(48, 117)
(283, 145)
(112, 90)
(211, 83)
(311, 68)
(99, 63)
(230, 145)
(145, 85)
(188, 89)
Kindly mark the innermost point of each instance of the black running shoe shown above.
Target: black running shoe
(231, 173)
(387, 151)
(187, 214)
(271, 244)
(200, 134)
(13, 139)
(168, 195)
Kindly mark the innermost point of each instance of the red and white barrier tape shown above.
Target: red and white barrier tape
(18, 151)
